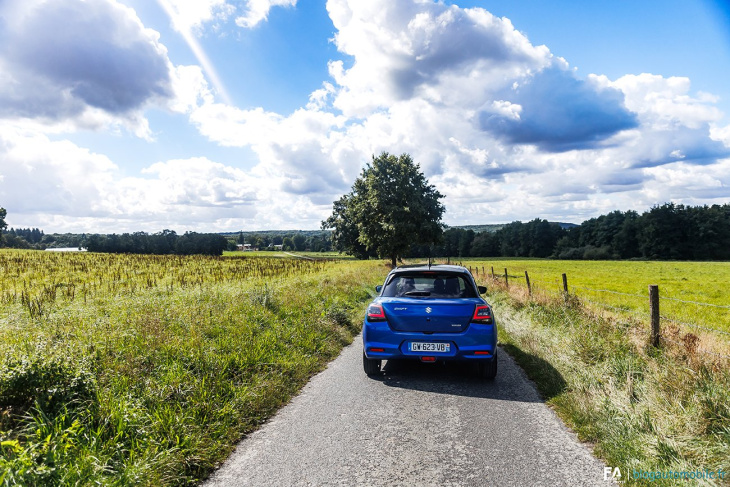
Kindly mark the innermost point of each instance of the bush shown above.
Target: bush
(589, 252)
(571, 253)
(598, 253)
(49, 385)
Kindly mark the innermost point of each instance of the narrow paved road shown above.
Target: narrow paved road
(417, 425)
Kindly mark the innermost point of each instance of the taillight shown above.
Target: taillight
(482, 314)
(376, 313)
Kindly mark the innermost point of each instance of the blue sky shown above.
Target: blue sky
(220, 115)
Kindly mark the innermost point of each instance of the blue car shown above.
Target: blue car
(430, 313)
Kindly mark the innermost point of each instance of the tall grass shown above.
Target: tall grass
(150, 370)
(641, 408)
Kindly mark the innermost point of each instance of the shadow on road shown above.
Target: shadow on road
(548, 380)
(458, 378)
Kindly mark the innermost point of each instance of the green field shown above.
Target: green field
(694, 281)
(145, 370)
(622, 286)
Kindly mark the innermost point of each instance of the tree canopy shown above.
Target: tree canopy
(665, 232)
(165, 242)
(390, 208)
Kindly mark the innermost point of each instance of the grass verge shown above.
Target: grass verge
(641, 409)
(156, 386)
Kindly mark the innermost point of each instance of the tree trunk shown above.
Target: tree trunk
(392, 260)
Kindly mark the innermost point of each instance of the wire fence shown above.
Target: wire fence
(685, 315)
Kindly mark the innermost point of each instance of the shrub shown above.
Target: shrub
(50, 385)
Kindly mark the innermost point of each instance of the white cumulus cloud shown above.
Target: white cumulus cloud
(189, 16)
(53, 76)
(504, 129)
(257, 11)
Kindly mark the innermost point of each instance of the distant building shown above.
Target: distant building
(246, 248)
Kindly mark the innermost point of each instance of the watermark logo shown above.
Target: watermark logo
(611, 473)
(614, 473)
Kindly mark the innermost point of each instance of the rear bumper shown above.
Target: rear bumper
(477, 342)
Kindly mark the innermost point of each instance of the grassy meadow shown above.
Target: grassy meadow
(145, 370)
(641, 409)
(693, 295)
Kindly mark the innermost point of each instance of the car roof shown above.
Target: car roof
(431, 268)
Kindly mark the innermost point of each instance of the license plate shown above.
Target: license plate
(430, 347)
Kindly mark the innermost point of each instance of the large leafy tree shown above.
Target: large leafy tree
(391, 206)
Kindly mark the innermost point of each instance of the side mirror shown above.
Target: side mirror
(378, 289)
(482, 289)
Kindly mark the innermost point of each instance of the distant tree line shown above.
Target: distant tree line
(165, 242)
(25, 238)
(34, 238)
(312, 241)
(31, 235)
(666, 232)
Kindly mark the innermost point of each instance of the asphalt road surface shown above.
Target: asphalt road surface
(416, 425)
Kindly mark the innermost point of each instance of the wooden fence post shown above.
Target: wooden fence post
(493, 273)
(655, 317)
(529, 288)
(506, 279)
(565, 284)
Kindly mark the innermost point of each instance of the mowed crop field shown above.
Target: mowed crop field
(145, 370)
(695, 293)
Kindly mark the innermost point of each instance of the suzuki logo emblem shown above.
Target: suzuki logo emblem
(428, 310)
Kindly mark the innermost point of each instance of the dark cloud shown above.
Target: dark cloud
(689, 145)
(566, 190)
(455, 39)
(64, 56)
(626, 180)
(497, 171)
(627, 177)
(560, 113)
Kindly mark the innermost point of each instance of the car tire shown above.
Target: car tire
(370, 365)
(487, 370)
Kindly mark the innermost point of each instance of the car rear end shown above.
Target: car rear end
(430, 314)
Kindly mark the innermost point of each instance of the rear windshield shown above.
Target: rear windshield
(429, 285)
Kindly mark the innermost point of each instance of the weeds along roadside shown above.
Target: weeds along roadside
(155, 387)
(639, 408)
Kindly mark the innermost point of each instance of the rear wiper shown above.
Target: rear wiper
(417, 293)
